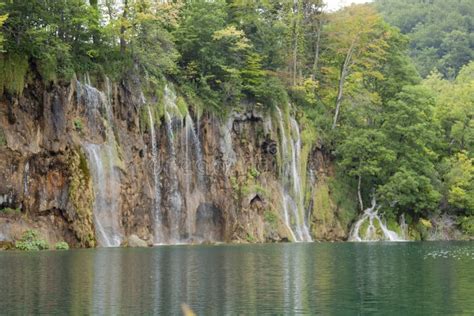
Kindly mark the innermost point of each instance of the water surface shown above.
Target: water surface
(431, 278)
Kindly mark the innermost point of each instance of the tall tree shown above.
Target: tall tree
(357, 39)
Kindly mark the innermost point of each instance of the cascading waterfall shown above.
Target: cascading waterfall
(104, 163)
(193, 166)
(403, 227)
(292, 192)
(175, 200)
(371, 214)
(186, 187)
(297, 180)
(228, 154)
(158, 220)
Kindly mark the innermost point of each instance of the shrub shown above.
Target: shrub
(62, 245)
(467, 225)
(270, 217)
(78, 126)
(31, 241)
(10, 211)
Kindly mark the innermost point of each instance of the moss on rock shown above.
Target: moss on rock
(81, 199)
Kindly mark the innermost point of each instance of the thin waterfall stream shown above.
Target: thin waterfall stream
(104, 163)
(291, 182)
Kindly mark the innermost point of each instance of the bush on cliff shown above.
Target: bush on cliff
(31, 241)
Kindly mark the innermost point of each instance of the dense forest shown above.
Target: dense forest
(440, 32)
(385, 89)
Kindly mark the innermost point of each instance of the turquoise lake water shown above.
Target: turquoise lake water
(411, 278)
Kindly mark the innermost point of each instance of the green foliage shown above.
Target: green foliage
(13, 69)
(408, 191)
(3, 18)
(250, 238)
(467, 225)
(10, 211)
(55, 36)
(454, 109)
(440, 32)
(61, 245)
(459, 180)
(270, 217)
(31, 240)
(78, 125)
(344, 197)
(253, 173)
(182, 106)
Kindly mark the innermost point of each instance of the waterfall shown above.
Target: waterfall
(194, 171)
(404, 227)
(103, 162)
(228, 154)
(186, 185)
(192, 141)
(158, 220)
(371, 215)
(107, 190)
(25, 178)
(174, 196)
(292, 189)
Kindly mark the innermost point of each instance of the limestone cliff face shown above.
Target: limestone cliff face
(94, 165)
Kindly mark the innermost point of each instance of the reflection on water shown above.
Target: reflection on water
(342, 278)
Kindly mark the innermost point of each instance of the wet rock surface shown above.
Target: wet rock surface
(78, 163)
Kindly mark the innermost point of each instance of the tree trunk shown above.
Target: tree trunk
(316, 52)
(342, 79)
(95, 35)
(295, 39)
(123, 43)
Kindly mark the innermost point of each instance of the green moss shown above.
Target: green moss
(182, 106)
(253, 173)
(323, 213)
(83, 166)
(157, 112)
(394, 226)
(344, 197)
(3, 140)
(419, 231)
(81, 199)
(270, 217)
(78, 125)
(251, 188)
(13, 70)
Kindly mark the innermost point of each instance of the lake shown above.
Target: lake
(412, 278)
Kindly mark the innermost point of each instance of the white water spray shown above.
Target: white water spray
(104, 163)
(371, 215)
(292, 193)
(158, 221)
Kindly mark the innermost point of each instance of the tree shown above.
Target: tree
(364, 154)
(357, 41)
(440, 32)
(459, 180)
(55, 36)
(412, 134)
(454, 110)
